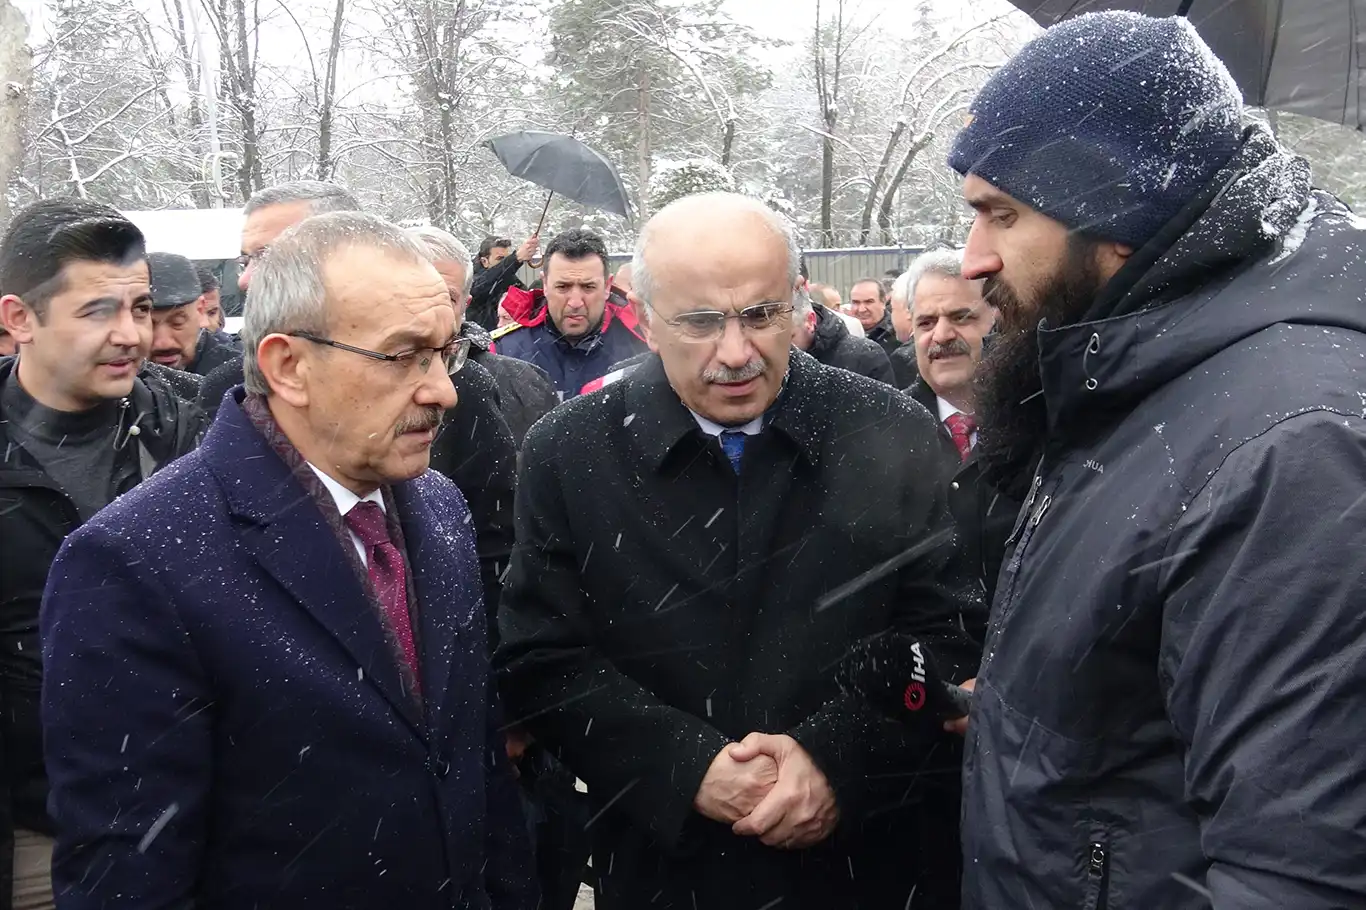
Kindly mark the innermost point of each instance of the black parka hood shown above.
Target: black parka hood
(1189, 304)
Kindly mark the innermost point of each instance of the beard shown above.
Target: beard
(1012, 415)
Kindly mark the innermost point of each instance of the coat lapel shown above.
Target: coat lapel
(442, 593)
(922, 393)
(292, 541)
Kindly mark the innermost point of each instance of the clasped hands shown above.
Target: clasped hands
(768, 787)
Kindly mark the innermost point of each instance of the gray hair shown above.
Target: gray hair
(441, 246)
(288, 292)
(642, 282)
(948, 263)
(321, 197)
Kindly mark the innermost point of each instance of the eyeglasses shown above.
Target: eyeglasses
(453, 353)
(708, 325)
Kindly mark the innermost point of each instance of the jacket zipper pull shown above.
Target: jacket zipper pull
(1038, 513)
(1028, 504)
(1097, 860)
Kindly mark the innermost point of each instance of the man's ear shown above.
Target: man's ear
(17, 318)
(1111, 257)
(643, 321)
(642, 318)
(279, 357)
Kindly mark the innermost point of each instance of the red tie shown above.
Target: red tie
(961, 427)
(387, 574)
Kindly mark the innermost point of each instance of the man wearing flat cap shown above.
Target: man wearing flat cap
(178, 341)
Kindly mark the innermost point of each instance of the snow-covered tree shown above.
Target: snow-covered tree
(642, 79)
(675, 179)
(15, 74)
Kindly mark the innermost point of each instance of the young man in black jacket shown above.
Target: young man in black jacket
(495, 271)
(78, 427)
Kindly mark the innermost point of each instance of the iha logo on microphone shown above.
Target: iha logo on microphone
(915, 690)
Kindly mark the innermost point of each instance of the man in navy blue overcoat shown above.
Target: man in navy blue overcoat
(266, 677)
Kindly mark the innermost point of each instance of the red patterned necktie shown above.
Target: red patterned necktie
(961, 427)
(386, 570)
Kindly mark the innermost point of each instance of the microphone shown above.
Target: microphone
(898, 677)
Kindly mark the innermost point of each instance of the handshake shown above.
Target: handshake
(768, 787)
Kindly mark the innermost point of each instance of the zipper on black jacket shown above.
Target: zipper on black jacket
(1029, 523)
(1031, 514)
(1025, 507)
(1097, 877)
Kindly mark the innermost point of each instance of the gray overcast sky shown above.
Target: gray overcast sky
(792, 20)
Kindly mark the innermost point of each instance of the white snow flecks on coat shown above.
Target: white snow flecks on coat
(1294, 238)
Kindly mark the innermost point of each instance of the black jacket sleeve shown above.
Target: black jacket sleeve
(876, 365)
(216, 385)
(616, 735)
(476, 451)
(488, 287)
(526, 391)
(1263, 663)
(864, 755)
(6, 822)
(184, 385)
(904, 368)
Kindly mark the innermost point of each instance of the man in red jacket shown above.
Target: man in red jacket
(576, 329)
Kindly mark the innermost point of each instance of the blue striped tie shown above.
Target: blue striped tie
(733, 444)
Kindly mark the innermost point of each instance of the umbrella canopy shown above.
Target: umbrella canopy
(1301, 56)
(563, 165)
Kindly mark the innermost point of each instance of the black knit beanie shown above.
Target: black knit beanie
(1109, 123)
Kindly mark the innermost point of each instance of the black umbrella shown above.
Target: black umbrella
(1299, 56)
(564, 165)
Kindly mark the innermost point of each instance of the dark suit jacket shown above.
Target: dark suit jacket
(658, 608)
(983, 515)
(904, 366)
(226, 723)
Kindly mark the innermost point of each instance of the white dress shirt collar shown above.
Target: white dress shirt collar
(712, 428)
(946, 410)
(344, 498)
(346, 501)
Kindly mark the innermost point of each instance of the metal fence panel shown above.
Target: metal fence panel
(841, 268)
(837, 268)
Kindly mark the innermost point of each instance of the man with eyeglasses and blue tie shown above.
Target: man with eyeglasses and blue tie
(698, 546)
(305, 719)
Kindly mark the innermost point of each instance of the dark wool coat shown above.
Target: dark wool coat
(660, 607)
(226, 721)
(475, 449)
